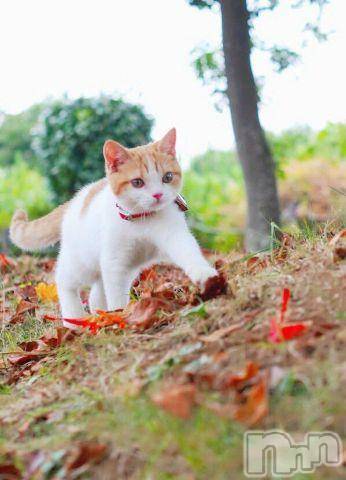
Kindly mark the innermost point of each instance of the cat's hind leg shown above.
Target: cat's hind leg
(97, 297)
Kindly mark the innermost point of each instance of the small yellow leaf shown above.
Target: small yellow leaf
(47, 292)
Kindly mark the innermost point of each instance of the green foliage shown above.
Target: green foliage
(292, 386)
(258, 6)
(206, 194)
(202, 3)
(15, 136)
(213, 181)
(291, 143)
(22, 187)
(302, 143)
(209, 67)
(331, 142)
(71, 134)
(282, 57)
(218, 163)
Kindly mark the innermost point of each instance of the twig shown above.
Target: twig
(23, 352)
(337, 190)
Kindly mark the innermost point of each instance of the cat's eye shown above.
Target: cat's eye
(137, 183)
(168, 177)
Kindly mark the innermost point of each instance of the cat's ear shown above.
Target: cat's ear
(115, 155)
(167, 143)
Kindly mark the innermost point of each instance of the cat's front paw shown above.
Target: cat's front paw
(200, 275)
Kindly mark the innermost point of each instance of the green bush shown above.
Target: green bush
(70, 136)
(291, 143)
(331, 142)
(15, 136)
(21, 186)
(218, 163)
(302, 143)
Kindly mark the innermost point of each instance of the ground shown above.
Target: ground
(168, 388)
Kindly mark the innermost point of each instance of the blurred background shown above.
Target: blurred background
(76, 73)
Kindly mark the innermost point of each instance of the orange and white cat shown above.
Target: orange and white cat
(114, 228)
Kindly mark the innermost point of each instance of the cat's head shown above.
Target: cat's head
(146, 177)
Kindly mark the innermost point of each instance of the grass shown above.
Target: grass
(100, 388)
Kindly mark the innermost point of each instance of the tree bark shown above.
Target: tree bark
(4, 240)
(253, 150)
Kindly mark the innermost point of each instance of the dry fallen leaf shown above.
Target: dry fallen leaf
(28, 292)
(22, 359)
(54, 341)
(149, 274)
(338, 244)
(250, 371)
(23, 307)
(214, 287)
(257, 263)
(29, 346)
(34, 352)
(6, 263)
(86, 452)
(177, 400)
(8, 471)
(251, 404)
(254, 406)
(143, 313)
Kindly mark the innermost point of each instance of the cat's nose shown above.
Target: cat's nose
(158, 196)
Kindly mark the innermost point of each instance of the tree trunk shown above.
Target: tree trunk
(253, 150)
(4, 241)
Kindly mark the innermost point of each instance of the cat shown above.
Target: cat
(114, 228)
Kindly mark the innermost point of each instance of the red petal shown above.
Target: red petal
(83, 322)
(79, 322)
(286, 294)
(294, 330)
(282, 333)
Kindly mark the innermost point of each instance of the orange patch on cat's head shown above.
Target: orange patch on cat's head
(126, 164)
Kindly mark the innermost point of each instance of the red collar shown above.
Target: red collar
(125, 215)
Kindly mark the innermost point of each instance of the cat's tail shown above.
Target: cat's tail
(38, 234)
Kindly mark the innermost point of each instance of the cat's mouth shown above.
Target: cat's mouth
(158, 201)
(158, 205)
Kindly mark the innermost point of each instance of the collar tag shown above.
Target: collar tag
(181, 202)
